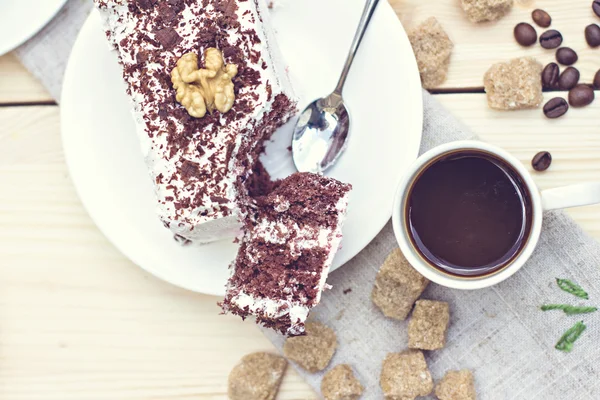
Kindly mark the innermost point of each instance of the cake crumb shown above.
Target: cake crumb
(486, 10)
(256, 377)
(397, 286)
(456, 385)
(405, 376)
(313, 351)
(514, 85)
(341, 384)
(432, 48)
(346, 291)
(428, 325)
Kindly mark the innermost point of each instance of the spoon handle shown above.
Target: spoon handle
(360, 33)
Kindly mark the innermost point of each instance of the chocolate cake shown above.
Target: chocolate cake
(292, 235)
(208, 87)
(200, 164)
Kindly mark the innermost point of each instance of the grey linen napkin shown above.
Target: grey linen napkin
(47, 53)
(500, 333)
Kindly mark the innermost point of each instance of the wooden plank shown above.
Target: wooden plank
(79, 321)
(17, 85)
(478, 46)
(45, 245)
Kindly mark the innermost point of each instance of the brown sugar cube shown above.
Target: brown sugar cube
(428, 325)
(256, 377)
(397, 286)
(432, 48)
(514, 85)
(405, 376)
(456, 385)
(486, 10)
(341, 384)
(314, 350)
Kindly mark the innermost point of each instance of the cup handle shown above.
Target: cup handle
(582, 194)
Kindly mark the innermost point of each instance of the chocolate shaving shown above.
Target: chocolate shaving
(189, 170)
(168, 37)
(145, 4)
(219, 199)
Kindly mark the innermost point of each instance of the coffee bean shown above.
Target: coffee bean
(569, 78)
(525, 34)
(541, 161)
(541, 17)
(556, 107)
(592, 35)
(596, 7)
(551, 39)
(597, 80)
(550, 76)
(566, 56)
(581, 96)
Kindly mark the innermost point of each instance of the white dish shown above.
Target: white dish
(21, 19)
(383, 93)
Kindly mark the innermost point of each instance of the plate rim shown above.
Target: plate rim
(66, 121)
(21, 40)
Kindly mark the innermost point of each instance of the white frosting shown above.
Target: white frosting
(282, 205)
(272, 232)
(275, 309)
(207, 222)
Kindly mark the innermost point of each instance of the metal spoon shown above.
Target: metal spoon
(321, 133)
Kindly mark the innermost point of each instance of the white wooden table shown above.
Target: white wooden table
(79, 321)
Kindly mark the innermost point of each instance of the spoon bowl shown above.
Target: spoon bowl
(322, 131)
(321, 134)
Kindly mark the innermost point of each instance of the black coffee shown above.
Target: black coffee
(469, 213)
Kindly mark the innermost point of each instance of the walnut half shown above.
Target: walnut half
(200, 90)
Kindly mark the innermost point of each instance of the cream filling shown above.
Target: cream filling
(277, 233)
(274, 309)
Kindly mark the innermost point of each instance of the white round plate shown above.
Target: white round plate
(383, 94)
(21, 19)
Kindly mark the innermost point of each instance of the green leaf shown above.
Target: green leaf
(568, 309)
(571, 287)
(566, 341)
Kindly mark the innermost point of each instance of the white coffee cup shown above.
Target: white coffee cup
(564, 197)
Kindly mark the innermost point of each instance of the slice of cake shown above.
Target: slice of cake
(208, 86)
(292, 235)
